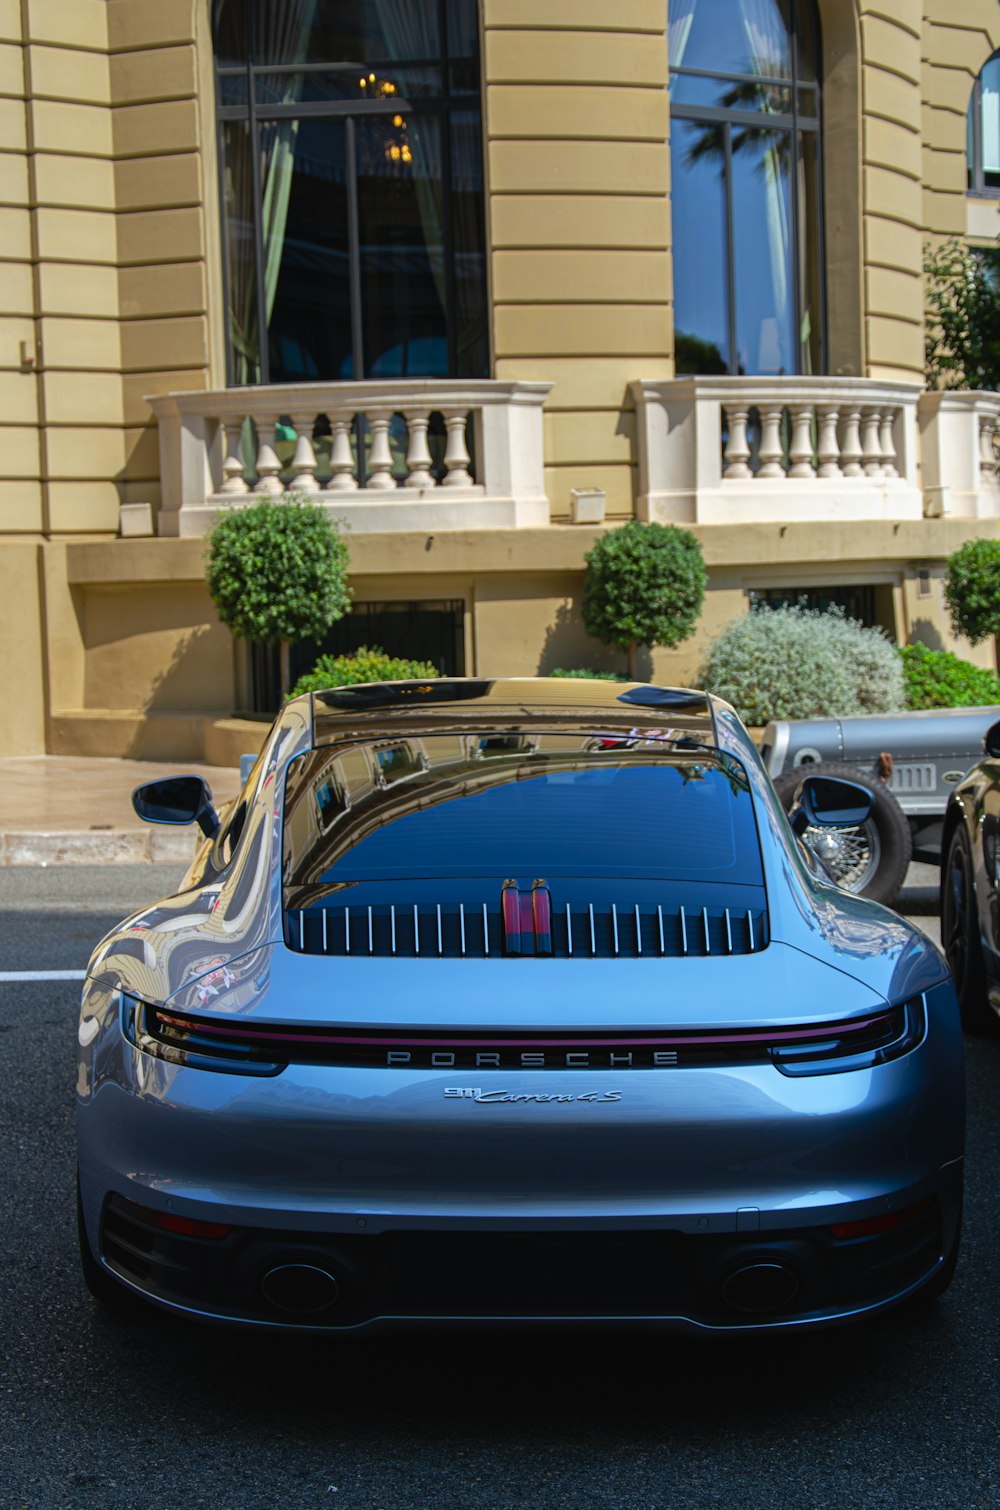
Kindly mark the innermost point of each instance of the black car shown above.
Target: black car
(970, 889)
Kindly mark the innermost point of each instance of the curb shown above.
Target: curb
(121, 846)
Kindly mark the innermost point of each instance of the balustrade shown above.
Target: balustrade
(406, 455)
(303, 469)
(874, 455)
(749, 449)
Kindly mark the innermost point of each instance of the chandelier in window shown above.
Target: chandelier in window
(397, 147)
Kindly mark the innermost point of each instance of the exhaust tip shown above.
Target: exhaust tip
(302, 1289)
(756, 1288)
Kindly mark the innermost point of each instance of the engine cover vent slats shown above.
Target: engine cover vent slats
(617, 930)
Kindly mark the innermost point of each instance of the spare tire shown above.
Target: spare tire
(870, 860)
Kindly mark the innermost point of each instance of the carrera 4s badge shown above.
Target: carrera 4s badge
(492, 1098)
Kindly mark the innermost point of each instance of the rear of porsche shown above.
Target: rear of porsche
(549, 1037)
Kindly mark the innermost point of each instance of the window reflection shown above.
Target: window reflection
(983, 130)
(353, 196)
(343, 30)
(474, 804)
(730, 36)
(403, 275)
(701, 295)
(762, 244)
(745, 186)
(305, 264)
(244, 328)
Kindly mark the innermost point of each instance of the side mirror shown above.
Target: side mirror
(830, 802)
(991, 740)
(177, 799)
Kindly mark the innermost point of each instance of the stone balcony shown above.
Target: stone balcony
(435, 455)
(754, 450)
(380, 456)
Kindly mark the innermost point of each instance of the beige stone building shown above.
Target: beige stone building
(485, 277)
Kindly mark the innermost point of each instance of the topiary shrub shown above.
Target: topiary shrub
(277, 573)
(591, 676)
(972, 589)
(365, 665)
(793, 662)
(644, 585)
(938, 679)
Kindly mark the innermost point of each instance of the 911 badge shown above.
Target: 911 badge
(493, 1098)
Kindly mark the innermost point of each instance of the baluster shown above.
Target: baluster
(232, 467)
(456, 456)
(380, 456)
(987, 455)
(827, 448)
(871, 450)
(268, 465)
(304, 461)
(800, 450)
(737, 452)
(850, 448)
(418, 456)
(770, 442)
(342, 478)
(887, 444)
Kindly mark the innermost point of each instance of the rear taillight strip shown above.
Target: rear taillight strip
(273, 1037)
(801, 1049)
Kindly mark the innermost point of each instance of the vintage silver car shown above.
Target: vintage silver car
(911, 762)
(494, 1002)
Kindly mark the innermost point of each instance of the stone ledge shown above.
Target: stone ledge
(558, 547)
(172, 738)
(100, 847)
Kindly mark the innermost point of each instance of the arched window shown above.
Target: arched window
(350, 151)
(746, 191)
(982, 142)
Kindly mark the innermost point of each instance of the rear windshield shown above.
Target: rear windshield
(518, 805)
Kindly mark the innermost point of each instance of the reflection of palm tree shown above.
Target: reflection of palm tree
(769, 147)
(773, 144)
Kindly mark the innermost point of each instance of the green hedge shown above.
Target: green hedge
(938, 679)
(584, 673)
(365, 665)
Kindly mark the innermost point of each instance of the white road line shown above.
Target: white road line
(42, 975)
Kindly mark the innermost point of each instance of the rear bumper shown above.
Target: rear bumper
(541, 1275)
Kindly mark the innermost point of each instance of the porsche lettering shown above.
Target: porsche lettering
(532, 1059)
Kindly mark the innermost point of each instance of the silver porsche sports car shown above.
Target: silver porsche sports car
(494, 1002)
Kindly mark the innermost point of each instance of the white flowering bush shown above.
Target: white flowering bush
(794, 662)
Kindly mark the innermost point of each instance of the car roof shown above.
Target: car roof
(378, 709)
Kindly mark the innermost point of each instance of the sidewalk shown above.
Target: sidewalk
(77, 810)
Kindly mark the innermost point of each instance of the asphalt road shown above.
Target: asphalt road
(97, 1410)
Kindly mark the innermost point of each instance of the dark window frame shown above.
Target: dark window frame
(857, 599)
(792, 123)
(441, 106)
(262, 671)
